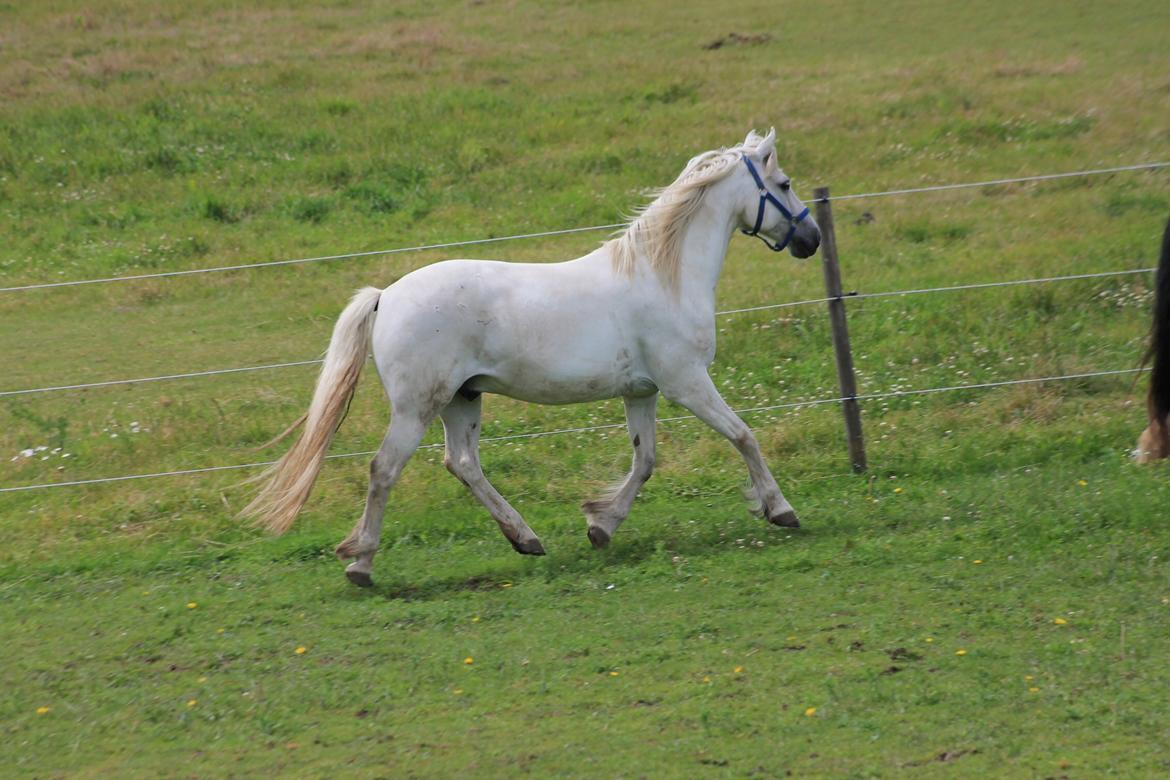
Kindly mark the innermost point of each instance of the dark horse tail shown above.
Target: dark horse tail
(1158, 354)
(1155, 440)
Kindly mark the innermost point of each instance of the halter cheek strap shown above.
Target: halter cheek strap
(767, 197)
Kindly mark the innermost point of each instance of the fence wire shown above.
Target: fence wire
(591, 428)
(303, 260)
(983, 285)
(565, 231)
(764, 307)
(998, 182)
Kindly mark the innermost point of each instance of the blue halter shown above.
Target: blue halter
(767, 197)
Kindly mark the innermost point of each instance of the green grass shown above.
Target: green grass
(138, 138)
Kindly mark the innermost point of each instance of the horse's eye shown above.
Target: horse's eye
(786, 185)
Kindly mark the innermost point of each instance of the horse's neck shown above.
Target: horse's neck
(703, 251)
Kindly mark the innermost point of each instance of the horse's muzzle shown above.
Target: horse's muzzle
(805, 241)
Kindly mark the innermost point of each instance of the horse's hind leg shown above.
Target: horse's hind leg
(400, 442)
(461, 428)
(605, 514)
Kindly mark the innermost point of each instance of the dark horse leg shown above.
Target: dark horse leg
(1154, 442)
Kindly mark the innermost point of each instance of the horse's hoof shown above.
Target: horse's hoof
(531, 547)
(785, 519)
(597, 537)
(360, 578)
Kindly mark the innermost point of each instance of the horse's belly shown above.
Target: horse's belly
(551, 359)
(560, 390)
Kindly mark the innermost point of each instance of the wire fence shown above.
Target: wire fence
(565, 231)
(304, 260)
(592, 428)
(727, 312)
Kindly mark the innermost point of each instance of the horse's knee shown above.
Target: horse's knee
(744, 439)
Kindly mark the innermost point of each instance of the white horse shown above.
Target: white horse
(633, 318)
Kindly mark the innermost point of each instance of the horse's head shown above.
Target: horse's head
(770, 209)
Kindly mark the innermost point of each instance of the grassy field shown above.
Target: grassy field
(991, 599)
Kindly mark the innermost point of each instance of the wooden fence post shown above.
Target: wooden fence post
(846, 379)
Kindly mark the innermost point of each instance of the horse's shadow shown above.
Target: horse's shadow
(570, 560)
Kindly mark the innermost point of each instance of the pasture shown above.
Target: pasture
(991, 598)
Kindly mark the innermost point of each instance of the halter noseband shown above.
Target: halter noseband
(766, 197)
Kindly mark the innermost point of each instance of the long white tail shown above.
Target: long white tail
(287, 483)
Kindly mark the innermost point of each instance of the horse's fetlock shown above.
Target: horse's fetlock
(598, 507)
(354, 546)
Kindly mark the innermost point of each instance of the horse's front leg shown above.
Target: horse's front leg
(697, 392)
(605, 514)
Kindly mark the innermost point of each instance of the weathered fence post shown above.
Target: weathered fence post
(845, 376)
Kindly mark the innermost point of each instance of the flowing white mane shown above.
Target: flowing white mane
(657, 230)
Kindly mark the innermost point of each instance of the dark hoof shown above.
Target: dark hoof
(531, 547)
(785, 520)
(597, 537)
(360, 578)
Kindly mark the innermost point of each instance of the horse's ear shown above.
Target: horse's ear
(767, 152)
(768, 145)
(771, 165)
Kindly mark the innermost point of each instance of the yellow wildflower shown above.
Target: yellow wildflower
(1060, 621)
(42, 710)
(810, 712)
(301, 650)
(469, 660)
(191, 605)
(192, 702)
(960, 652)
